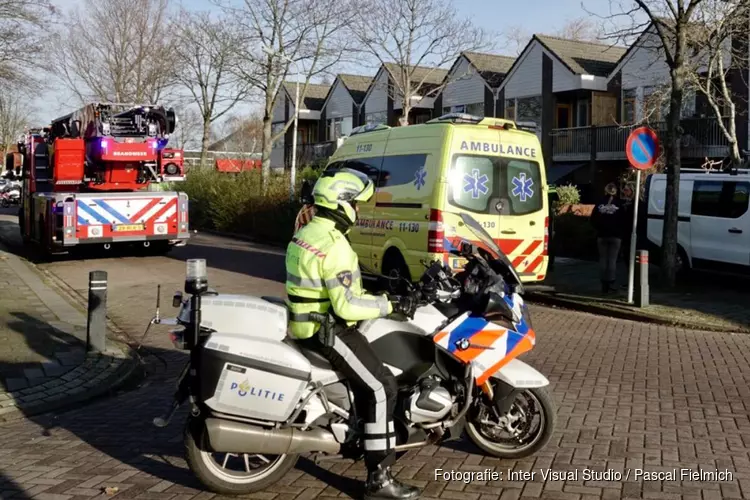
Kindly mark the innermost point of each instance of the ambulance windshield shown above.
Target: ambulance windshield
(495, 185)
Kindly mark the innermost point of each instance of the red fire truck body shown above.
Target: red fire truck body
(86, 179)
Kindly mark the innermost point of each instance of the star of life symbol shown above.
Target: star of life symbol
(476, 184)
(420, 177)
(522, 187)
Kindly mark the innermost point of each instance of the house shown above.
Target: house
(474, 83)
(641, 81)
(308, 119)
(343, 108)
(561, 84)
(383, 105)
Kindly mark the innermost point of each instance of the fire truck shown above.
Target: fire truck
(86, 179)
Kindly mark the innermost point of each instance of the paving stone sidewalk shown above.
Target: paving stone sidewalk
(702, 301)
(43, 360)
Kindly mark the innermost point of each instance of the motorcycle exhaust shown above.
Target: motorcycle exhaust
(226, 436)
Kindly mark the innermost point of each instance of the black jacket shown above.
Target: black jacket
(609, 218)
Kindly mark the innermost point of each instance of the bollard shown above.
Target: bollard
(96, 325)
(641, 279)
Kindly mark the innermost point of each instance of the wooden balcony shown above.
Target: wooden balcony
(308, 154)
(702, 137)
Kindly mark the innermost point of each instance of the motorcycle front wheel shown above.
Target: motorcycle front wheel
(232, 473)
(524, 430)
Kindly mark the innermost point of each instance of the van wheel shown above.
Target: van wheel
(682, 264)
(394, 261)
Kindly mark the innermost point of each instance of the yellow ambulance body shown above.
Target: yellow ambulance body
(426, 174)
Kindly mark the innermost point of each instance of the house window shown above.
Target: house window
(334, 128)
(582, 114)
(379, 117)
(628, 106)
(476, 109)
(529, 109)
(510, 109)
(276, 128)
(655, 104)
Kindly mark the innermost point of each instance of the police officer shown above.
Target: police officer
(323, 276)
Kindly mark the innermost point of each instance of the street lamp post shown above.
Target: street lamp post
(293, 169)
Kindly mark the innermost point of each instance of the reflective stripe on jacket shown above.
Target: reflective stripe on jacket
(322, 271)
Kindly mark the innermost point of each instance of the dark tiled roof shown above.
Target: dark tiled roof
(357, 85)
(431, 76)
(584, 58)
(315, 95)
(491, 67)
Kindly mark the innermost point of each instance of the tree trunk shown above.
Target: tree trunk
(403, 120)
(734, 147)
(205, 142)
(266, 152)
(674, 136)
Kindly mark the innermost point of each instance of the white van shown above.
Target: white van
(714, 219)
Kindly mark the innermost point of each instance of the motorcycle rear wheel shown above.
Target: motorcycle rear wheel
(216, 476)
(533, 439)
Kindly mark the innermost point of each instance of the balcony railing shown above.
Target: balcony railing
(308, 154)
(702, 137)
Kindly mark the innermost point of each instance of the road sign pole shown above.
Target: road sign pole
(633, 237)
(642, 150)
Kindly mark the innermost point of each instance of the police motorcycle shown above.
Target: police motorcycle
(257, 400)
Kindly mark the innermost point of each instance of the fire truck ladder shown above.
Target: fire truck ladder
(41, 166)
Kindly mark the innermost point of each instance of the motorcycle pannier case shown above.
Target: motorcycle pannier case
(251, 374)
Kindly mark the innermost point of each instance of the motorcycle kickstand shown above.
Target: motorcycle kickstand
(164, 420)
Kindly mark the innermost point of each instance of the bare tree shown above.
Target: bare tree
(206, 56)
(583, 29)
(117, 50)
(187, 134)
(670, 21)
(22, 35)
(718, 24)
(14, 117)
(284, 37)
(415, 39)
(238, 134)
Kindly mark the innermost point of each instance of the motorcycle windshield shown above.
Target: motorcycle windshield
(482, 235)
(489, 244)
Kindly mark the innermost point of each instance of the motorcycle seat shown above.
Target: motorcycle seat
(275, 300)
(314, 358)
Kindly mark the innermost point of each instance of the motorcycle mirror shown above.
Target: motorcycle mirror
(466, 248)
(177, 299)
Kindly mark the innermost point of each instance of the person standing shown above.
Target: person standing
(608, 219)
(307, 212)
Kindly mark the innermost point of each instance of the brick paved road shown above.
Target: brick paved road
(629, 396)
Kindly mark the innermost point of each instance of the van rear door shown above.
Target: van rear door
(505, 194)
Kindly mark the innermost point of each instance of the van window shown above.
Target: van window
(740, 200)
(706, 198)
(402, 169)
(726, 200)
(368, 166)
(495, 185)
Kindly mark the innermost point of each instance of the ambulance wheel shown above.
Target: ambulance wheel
(394, 261)
(232, 473)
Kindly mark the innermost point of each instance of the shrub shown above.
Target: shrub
(574, 237)
(568, 195)
(233, 203)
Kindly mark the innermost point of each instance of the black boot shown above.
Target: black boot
(382, 485)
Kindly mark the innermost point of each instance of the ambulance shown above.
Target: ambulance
(489, 168)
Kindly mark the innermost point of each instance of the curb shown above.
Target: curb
(642, 317)
(242, 237)
(122, 365)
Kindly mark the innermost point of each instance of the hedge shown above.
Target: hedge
(233, 203)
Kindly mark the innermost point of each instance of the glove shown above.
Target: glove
(404, 304)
